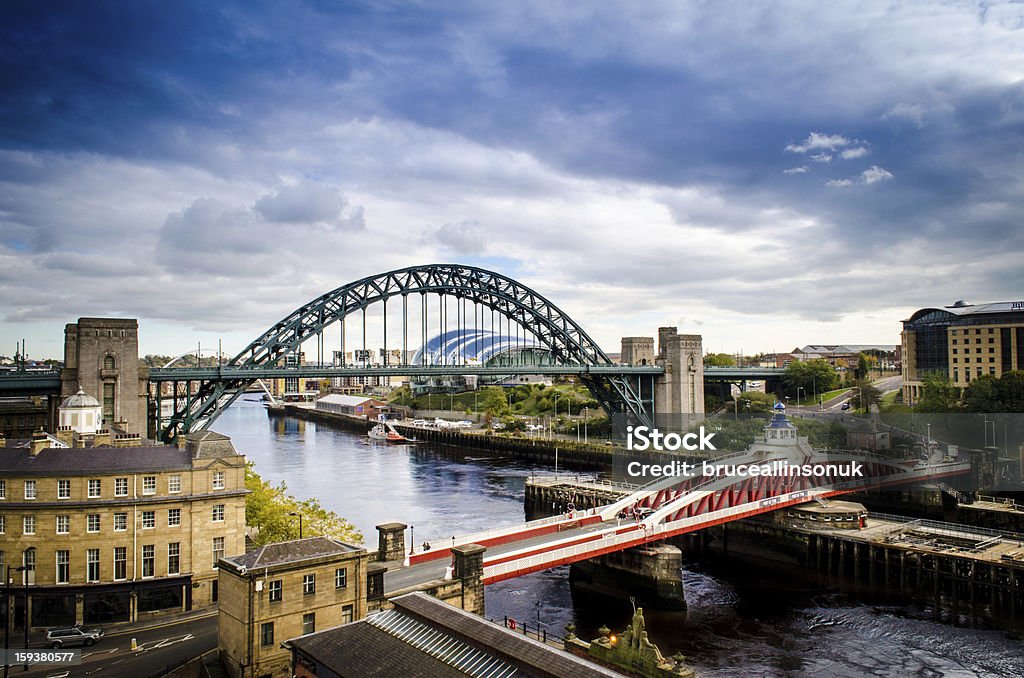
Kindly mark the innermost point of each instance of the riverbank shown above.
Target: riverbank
(583, 455)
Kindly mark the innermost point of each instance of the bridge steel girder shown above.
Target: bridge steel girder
(550, 326)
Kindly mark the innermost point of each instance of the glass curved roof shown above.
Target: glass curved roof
(468, 347)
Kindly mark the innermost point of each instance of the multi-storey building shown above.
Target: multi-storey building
(289, 589)
(962, 341)
(108, 534)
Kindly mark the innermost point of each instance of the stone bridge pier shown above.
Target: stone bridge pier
(652, 574)
(679, 392)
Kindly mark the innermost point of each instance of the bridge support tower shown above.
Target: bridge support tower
(652, 574)
(679, 392)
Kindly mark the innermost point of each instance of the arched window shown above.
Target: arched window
(108, 362)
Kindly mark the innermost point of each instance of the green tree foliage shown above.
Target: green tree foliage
(1011, 391)
(758, 402)
(809, 376)
(268, 509)
(865, 395)
(983, 395)
(863, 367)
(822, 434)
(937, 394)
(719, 360)
(494, 402)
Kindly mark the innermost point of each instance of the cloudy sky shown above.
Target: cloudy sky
(768, 174)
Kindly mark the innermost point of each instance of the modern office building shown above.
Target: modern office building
(962, 341)
(110, 534)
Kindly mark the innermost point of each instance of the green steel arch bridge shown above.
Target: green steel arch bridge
(416, 303)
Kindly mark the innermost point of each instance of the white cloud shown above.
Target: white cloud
(851, 153)
(818, 141)
(822, 157)
(307, 203)
(796, 170)
(913, 113)
(838, 182)
(874, 174)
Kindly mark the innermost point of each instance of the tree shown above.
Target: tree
(1010, 391)
(982, 395)
(865, 395)
(268, 509)
(937, 394)
(863, 367)
(809, 376)
(719, 360)
(494, 403)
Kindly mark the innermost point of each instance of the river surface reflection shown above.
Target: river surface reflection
(740, 621)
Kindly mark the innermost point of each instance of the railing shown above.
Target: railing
(966, 532)
(538, 632)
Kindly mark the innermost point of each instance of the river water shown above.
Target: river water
(741, 621)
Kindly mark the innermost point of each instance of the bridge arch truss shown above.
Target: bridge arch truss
(521, 309)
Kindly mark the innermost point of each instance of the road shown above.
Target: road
(157, 647)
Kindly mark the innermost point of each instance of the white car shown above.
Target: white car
(419, 422)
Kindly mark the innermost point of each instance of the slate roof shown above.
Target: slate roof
(294, 551)
(16, 461)
(423, 636)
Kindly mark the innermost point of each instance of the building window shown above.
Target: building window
(308, 584)
(108, 403)
(3, 524)
(63, 489)
(94, 488)
(218, 480)
(120, 562)
(148, 484)
(173, 557)
(218, 513)
(274, 591)
(120, 487)
(267, 634)
(63, 524)
(108, 362)
(308, 623)
(120, 522)
(30, 489)
(3, 489)
(174, 484)
(28, 560)
(92, 565)
(148, 560)
(148, 519)
(92, 522)
(174, 517)
(63, 566)
(341, 578)
(346, 614)
(28, 525)
(218, 550)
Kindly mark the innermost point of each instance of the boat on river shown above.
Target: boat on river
(386, 431)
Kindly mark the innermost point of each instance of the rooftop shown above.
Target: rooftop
(423, 636)
(17, 459)
(295, 551)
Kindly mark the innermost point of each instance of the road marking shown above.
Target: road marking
(163, 642)
(59, 675)
(110, 651)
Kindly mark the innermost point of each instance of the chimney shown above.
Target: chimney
(39, 442)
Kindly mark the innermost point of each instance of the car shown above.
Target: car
(497, 426)
(845, 406)
(69, 636)
(419, 422)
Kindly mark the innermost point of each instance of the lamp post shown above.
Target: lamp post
(412, 540)
(299, 516)
(586, 415)
(798, 389)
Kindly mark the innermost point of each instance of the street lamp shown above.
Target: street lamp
(586, 415)
(798, 389)
(299, 516)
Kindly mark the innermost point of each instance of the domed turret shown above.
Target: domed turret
(81, 412)
(780, 430)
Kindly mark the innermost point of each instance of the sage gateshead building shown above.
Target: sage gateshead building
(963, 342)
(478, 348)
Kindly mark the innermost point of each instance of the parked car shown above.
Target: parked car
(70, 636)
(419, 422)
(845, 406)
